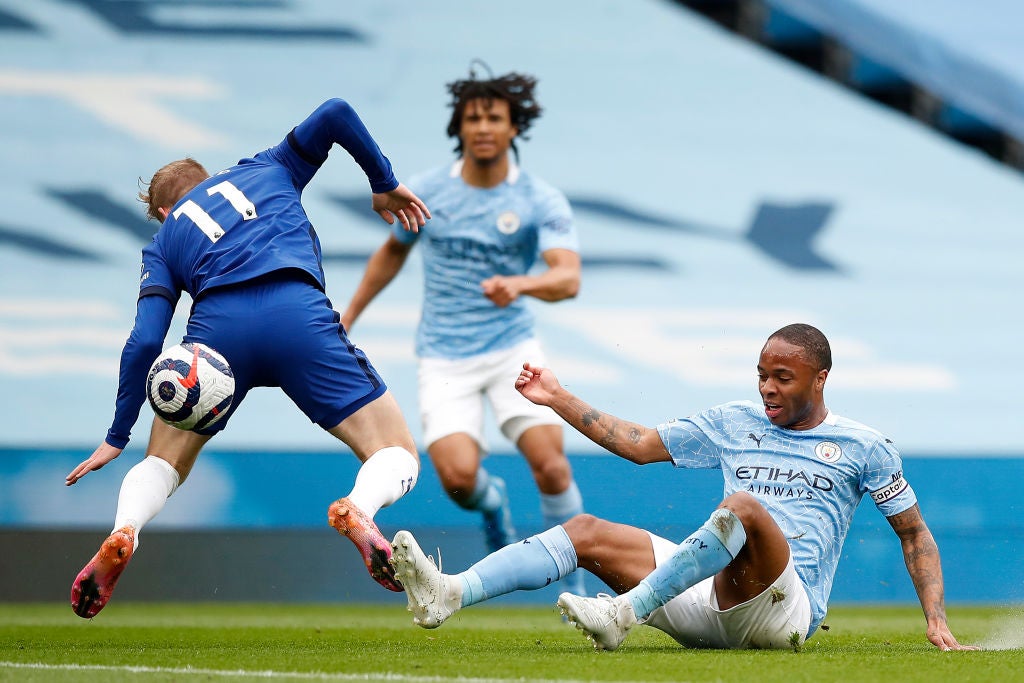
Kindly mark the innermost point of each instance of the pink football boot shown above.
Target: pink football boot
(352, 522)
(95, 583)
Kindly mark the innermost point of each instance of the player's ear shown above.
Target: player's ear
(819, 381)
(164, 213)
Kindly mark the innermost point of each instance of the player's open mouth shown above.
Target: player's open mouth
(772, 410)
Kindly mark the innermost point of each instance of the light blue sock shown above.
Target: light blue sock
(485, 497)
(704, 553)
(528, 565)
(559, 508)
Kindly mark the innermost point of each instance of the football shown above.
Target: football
(190, 386)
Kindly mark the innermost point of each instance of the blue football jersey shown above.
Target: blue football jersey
(242, 223)
(810, 481)
(247, 220)
(476, 233)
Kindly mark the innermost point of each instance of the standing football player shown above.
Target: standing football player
(758, 572)
(492, 220)
(240, 244)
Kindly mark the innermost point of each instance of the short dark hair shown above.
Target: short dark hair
(810, 339)
(514, 88)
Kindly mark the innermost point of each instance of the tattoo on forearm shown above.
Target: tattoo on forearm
(608, 440)
(921, 555)
(916, 553)
(591, 418)
(607, 431)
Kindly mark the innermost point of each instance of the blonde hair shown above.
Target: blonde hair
(170, 184)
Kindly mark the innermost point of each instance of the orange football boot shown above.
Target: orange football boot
(95, 583)
(352, 522)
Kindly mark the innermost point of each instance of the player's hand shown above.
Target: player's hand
(537, 384)
(501, 290)
(401, 203)
(347, 321)
(100, 457)
(943, 639)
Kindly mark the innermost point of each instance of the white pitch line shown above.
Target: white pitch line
(299, 675)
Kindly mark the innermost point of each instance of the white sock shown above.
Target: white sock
(144, 491)
(386, 476)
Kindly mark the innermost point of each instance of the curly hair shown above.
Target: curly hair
(514, 88)
(810, 339)
(170, 184)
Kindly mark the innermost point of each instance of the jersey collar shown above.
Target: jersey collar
(511, 178)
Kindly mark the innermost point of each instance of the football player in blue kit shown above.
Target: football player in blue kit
(758, 572)
(240, 244)
(492, 222)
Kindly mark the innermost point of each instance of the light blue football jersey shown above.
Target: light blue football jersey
(810, 481)
(475, 233)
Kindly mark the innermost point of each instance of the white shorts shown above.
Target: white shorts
(777, 618)
(452, 393)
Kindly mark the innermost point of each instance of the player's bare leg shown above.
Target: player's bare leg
(761, 560)
(457, 460)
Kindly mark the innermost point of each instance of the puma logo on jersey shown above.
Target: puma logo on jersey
(755, 439)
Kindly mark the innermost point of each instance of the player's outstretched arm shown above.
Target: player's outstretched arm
(152, 320)
(921, 555)
(628, 440)
(381, 269)
(100, 457)
(403, 204)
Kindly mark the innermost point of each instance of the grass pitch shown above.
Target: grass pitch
(240, 642)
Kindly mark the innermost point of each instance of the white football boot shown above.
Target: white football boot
(433, 596)
(605, 620)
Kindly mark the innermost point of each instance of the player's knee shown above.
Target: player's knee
(553, 475)
(585, 530)
(746, 507)
(458, 483)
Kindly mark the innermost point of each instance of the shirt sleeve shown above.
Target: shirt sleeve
(883, 480)
(557, 226)
(152, 320)
(306, 147)
(690, 441)
(157, 276)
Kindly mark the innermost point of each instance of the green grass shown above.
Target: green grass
(234, 642)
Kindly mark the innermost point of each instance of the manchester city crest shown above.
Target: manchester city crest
(508, 222)
(828, 451)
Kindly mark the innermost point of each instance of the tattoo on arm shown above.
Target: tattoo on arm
(590, 419)
(621, 437)
(921, 554)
